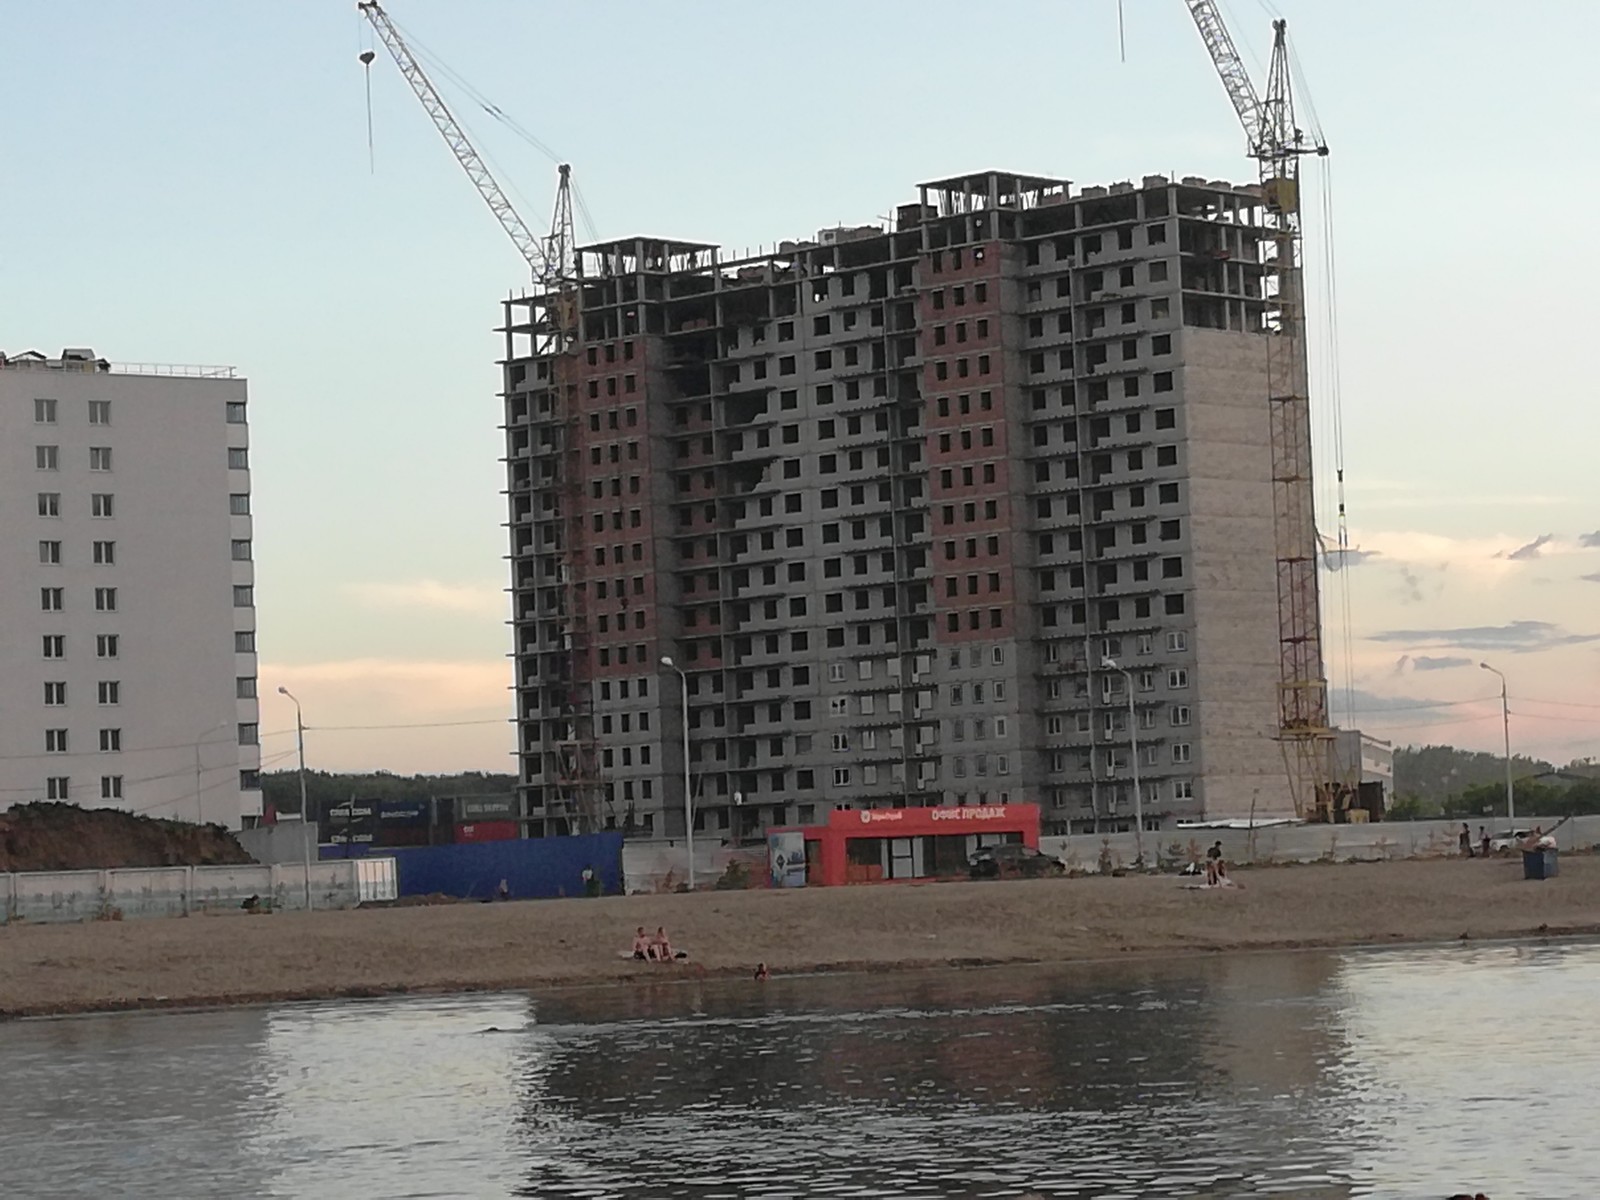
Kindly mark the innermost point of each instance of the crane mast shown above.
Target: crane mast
(572, 760)
(1277, 144)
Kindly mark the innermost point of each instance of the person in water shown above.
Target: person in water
(762, 974)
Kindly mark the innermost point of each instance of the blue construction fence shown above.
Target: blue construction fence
(533, 868)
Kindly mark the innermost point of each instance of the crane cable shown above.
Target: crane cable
(437, 66)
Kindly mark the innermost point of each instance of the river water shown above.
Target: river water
(1406, 1073)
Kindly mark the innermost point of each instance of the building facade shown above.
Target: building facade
(127, 606)
(968, 510)
(1362, 758)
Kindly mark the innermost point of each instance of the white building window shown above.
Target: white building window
(55, 645)
(44, 412)
(869, 774)
(99, 458)
(111, 787)
(47, 458)
(238, 458)
(1180, 752)
(57, 787)
(55, 741)
(244, 641)
(49, 504)
(105, 599)
(1177, 679)
(52, 599)
(105, 553)
(1179, 715)
(109, 691)
(241, 550)
(841, 742)
(835, 672)
(105, 645)
(249, 733)
(55, 694)
(841, 777)
(99, 412)
(110, 741)
(1052, 726)
(236, 412)
(50, 553)
(864, 668)
(869, 739)
(102, 504)
(239, 504)
(1177, 641)
(1183, 789)
(1000, 727)
(838, 706)
(244, 596)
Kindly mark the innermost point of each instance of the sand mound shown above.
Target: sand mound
(64, 837)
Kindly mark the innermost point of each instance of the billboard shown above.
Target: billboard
(786, 858)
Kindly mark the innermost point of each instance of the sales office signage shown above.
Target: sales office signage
(979, 812)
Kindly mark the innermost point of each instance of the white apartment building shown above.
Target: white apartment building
(127, 607)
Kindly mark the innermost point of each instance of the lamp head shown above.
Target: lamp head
(666, 661)
(1110, 662)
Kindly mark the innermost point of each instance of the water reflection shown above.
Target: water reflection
(1400, 1073)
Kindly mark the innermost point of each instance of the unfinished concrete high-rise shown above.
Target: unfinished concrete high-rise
(892, 498)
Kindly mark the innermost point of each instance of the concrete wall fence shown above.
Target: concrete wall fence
(133, 892)
(1309, 843)
(533, 868)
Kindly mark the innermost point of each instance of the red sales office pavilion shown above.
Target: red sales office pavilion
(872, 845)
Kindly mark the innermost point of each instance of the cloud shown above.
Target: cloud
(1332, 560)
(1530, 551)
(1590, 541)
(1592, 578)
(398, 686)
(1515, 637)
(1426, 662)
(1411, 591)
(477, 599)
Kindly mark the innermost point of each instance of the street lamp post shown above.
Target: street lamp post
(199, 809)
(688, 806)
(1138, 791)
(1505, 722)
(305, 811)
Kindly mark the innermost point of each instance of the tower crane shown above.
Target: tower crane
(575, 760)
(1277, 144)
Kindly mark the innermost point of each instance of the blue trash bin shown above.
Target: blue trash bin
(1539, 864)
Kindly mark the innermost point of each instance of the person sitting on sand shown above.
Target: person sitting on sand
(661, 946)
(252, 904)
(641, 945)
(762, 974)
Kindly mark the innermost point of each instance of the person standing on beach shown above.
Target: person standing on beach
(1466, 840)
(1483, 841)
(1213, 861)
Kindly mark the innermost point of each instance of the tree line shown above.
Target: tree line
(1442, 781)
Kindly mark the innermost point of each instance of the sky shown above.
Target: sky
(190, 182)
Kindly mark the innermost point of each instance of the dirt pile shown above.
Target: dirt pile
(64, 837)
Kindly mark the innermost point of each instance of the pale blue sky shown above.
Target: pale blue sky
(188, 181)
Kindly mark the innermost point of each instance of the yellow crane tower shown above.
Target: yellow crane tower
(1277, 144)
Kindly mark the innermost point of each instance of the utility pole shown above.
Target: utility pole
(1505, 723)
(306, 839)
(688, 802)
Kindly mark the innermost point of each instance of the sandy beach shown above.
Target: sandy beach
(240, 959)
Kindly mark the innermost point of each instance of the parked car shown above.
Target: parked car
(1509, 840)
(1013, 861)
